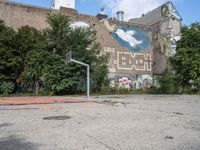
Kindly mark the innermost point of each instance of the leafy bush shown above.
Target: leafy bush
(186, 60)
(168, 83)
(107, 89)
(7, 88)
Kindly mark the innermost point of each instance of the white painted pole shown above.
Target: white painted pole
(88, 75)
(88, 81)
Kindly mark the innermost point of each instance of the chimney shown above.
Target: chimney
(57, 4)
(120, 16)
(102, 15)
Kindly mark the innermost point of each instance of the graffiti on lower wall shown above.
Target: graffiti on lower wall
(140, 82)
(124, 82)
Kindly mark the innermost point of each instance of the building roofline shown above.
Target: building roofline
(27, 5)
(168, 2)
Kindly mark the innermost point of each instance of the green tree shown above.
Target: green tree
(9, 57)
(7, 88)
(45, 59)
(85, 48)
(186, 61)
(27, 39)
(60, 38)
(33, 72)
(57, 35)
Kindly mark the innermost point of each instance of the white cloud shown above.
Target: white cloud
(132, 8)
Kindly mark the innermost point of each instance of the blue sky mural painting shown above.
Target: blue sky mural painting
(133, 38)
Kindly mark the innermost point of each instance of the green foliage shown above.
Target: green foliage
(107, 89)
(60, 38)
(41, 57)
(57, 35)
(27, 39)
(9, 57)
(46, 68)
(168, 83)
(37, 58)
(6, 88)
(34, 68)
(186, 60)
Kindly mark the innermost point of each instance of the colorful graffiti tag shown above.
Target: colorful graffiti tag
(141, 82)
(146, 81)
(124, 82)
(133, 38)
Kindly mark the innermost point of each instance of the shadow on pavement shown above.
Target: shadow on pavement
(5, 124)
(16, 143)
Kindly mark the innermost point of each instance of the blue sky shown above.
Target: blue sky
(188, 9)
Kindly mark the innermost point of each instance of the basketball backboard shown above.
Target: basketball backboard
(68, 56)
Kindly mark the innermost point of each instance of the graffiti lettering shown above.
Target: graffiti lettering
(109, 50)
(142, 82)
(134, 61)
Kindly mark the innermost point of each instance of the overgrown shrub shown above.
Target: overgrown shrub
(107, 89)
(6, 88)
(168, 83)
(186, 62)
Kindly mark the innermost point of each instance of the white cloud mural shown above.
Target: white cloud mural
(128, 36)
(131, 37)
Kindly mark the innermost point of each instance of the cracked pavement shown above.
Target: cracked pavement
(120, 122)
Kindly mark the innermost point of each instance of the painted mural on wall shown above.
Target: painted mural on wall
(128, 61)
(170, 34)
(134, 61)
(137, 57)
(141, 82)
(131, 37)
(170, 28)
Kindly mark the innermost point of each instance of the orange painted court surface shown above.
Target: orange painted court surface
(39, 100)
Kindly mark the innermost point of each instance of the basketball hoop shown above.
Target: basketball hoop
(69, 59)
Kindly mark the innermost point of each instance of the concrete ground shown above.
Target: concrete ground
(128, 122)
